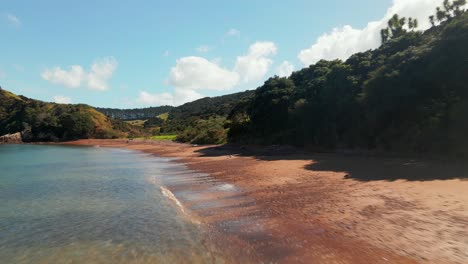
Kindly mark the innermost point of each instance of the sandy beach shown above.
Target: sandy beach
(280, 205)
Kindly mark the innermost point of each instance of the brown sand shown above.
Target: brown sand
(321, 208)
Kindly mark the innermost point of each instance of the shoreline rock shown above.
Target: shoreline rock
(11, 138)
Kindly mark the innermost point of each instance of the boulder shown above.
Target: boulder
(11, 138)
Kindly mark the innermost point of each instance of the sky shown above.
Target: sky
(129, 54)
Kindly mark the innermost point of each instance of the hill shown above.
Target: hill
(409, 95)
(188, 114)
(184, 118)
(136, 113)
(41, 121)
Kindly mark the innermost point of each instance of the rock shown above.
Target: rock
(11, 138)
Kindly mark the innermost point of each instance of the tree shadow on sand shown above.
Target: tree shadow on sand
(354, 166)
(389, 169)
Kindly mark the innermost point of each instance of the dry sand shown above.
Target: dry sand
(281, 206)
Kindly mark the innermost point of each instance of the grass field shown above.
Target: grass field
(164, 137)
(163, 116)
(139, 123)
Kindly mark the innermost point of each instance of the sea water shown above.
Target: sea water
(63, 204)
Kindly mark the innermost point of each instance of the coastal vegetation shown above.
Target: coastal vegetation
(408, 95)
(41, 121)
(134, 114)
(165, 137)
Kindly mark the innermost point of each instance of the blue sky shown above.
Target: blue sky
(142, 53)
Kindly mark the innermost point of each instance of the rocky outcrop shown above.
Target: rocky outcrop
(11, 138)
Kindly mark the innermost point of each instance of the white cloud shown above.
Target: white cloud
(254, 65)
(193, 74)
(344, 41)
(203, 49)
(233, 32)
(71, 78)
(179, 97)
(182, 96)
(197, 73)
(12, 19)
(101, 72)
(156, 99)
(60, 99)
(96, 79)
(285, 69)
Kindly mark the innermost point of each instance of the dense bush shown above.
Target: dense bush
(136, 113)
(209, 131)
(40, 121)
(409, 95)
(189, 114)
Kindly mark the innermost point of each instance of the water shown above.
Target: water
(63, 204)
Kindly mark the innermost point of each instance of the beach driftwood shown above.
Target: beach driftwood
(11, 138)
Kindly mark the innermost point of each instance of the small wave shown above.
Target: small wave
(166, 192)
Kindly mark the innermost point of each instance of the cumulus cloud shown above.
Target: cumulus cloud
(75, 76)
(70, 78)
(60, 99)
(179, 97)
(197, 73)
(156, 99)
(257, 62)
(343, 41)
(101, 72)
(12, 19)
(192, 75)
(285, 69)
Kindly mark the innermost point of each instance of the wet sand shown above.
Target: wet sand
(282, 206)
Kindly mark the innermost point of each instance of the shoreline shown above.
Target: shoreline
(289, 207)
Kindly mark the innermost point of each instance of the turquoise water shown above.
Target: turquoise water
(63, 204)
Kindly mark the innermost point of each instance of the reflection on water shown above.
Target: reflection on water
(91, 205)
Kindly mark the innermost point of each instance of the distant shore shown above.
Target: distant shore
(290, 207)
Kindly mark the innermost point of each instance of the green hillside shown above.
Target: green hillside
(134, 114)
(41, 121)
(202, 121)
(188, 114)
(409, 95)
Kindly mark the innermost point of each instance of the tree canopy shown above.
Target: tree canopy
(409, 95)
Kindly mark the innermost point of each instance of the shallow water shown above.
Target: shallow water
(63, 204)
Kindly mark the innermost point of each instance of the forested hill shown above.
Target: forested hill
(41, 121)
(409, 95)
(136, 113)
(209, 107)
(201, 121)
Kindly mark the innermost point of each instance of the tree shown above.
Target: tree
(432, 20)
(412, 23)
(408, 95)
(448, 7)
(441, 15)
(396, 27)
(448, 11)
(457, 7)
(384, 35)
(270, 105)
